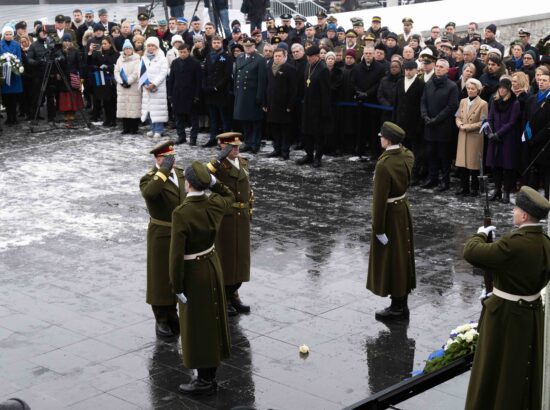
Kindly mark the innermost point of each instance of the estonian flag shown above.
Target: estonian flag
(123, 76)
(99, 78)
(143, 79)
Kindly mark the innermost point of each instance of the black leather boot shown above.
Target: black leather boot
(306, 159)
(238, 304)
(198, 386)
(397, 311)
(231, 311)
(497, 195)
(164, 331)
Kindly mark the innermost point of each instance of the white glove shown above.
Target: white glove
(383, 239)
(484, 295)
(487, 230)
(213, 181)
(181, 297)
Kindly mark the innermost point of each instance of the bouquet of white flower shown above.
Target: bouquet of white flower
(462, 341)
(10, 65)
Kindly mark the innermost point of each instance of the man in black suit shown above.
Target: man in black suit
(406, 114)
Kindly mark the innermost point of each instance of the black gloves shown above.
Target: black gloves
(360, 96)
(126, 85)
(168, 163)
(196, 100)
(494, 137)
(224, 153)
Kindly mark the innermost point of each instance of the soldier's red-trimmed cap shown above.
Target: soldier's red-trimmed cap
(231, 138)
(163, 149)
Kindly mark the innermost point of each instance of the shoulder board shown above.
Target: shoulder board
(152, 172)
(243, 161)
(178, 167)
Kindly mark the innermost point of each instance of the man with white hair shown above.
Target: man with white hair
(438, 106)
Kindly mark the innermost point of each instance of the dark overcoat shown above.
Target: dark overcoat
(161, 196)
(205, 337)
(346, 115)
(281, 94)
(504, 154)
(217, 79)
(316, 106)
(391, 266)
(366, 78)
(249, 89)
(184, 84)
(386, 94)
(406, 113)
(507, 368)
(439, 102)
(233, 240)
(103, 63)
(538, 115)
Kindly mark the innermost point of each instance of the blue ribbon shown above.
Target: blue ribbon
(368, 105)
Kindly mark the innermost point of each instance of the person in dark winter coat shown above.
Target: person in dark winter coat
(538, 117)
(406, 114)
(249, 88)
(70, 98)
(366, 78)
(334, 143)
(346, 115)
(504, 140)
(184, 87)
(102, 63)
(280, 102)
(438, 106)
(491, 77)
(217, 86)
(298, 60)
(37, 57)
(255, 11)
(316, 108)
(387, 89)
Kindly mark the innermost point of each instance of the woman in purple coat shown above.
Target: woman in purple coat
(504, 140)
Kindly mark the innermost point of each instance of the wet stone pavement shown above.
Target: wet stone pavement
(74, 327)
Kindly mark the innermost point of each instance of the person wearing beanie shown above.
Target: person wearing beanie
(127, 74)
(514, 312)
(163, 189)
(391, 269)
(12, 84)
(154, 105)
(70, 97)
(504, 136)
(173, 53)
(490, 38)
(197, 277)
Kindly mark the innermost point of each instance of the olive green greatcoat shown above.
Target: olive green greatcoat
(205, 335)
(233, 241)
(161, 197)
(470, 141)
(507, 368)
(391, 266)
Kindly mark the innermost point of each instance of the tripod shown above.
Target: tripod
(217, 19)
(153, 4)
(49, 65)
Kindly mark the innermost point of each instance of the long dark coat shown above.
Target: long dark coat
(538, 115)
(233, 240)
(346, 115)
(217, 78)
(391, 266)
(205, 337)
(507, 368)
(107, 60)
(184, 84)
(367, 79)
(406, 113)
(439, 102)
(504, 154)
(161, 196)
(281, 94)
(316, 106)
(250, 84)
(386, 94)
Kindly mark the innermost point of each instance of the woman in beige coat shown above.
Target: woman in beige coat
(128, 92)
(471, 112)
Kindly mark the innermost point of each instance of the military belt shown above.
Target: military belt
(240, 205)
(395, 199)
(199, 255)
(515, 298)
(161, 223)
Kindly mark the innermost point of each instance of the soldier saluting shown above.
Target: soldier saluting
(507, 368)
(163, 190)
(233, 240)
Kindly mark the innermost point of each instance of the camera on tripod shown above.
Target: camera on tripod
(49, 29)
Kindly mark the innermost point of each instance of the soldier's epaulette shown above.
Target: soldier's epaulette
(178, 167)
(243, 161)
(152, 172)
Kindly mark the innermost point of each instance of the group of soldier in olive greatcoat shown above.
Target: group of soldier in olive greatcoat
(198, 253)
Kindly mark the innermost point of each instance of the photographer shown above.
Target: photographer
(38, 55)
(102, 62)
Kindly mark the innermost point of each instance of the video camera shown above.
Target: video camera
(49, 29)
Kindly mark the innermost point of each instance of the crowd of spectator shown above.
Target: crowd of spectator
(464, 102)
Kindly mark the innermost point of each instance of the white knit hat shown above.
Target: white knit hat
(176, 38)
(7, 28)
(152, 40)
